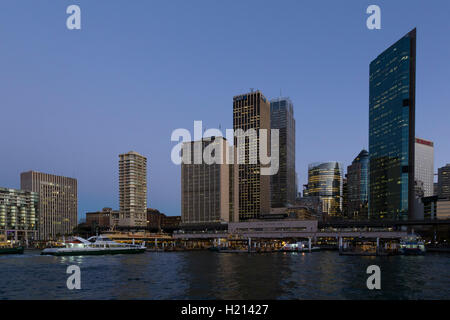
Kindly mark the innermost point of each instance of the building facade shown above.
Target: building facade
(358, 187)
(424, 166)
(325, 180)
(159, 222)
(444, 182)
(283, 184)
(252, 111)
(106, 219)
(58, 202)
(443, 209)
(209, 194)
(19, 212)
(392, 130)
(133, 190)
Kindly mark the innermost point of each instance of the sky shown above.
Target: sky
(72, 100)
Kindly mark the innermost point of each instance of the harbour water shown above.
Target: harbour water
(209, 275)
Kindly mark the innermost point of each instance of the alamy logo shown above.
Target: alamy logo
(374, 281)
(74, 20)
(251, 147)
(74, 281)
(374, 20)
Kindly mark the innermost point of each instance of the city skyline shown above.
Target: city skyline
(73, 156)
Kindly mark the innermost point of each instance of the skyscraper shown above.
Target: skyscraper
(325, 180)
(444, 182)
(358, 186)
(58, 202)
(133, 190)
(208, 192)
(252, 111)
(392, 130)
(424, 165)
(283, 184)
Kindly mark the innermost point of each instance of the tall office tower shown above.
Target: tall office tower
(325, 180)
(358, 186)
(251, 111)
(58, 202)
(133, 190)
(392, 130)
(424, 165)
(19, 211)
(345, 197)
(208, 192)
(444, 182)
(283, 184)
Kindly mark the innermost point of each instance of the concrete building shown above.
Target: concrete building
(58, 202)
(133, 190)
(19, 212)
(444, 182)
(105, 219)
(424, 165)
(283, 184)
(251, 111)
(392, 130)
(209, 192)
(325, 180)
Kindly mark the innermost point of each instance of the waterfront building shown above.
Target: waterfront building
(392, 130)
(159, 222)
(325, 180)
(19, 212)
(272, 229)
(209, 194)
(312, 204)
(429, 207)
(107, 219)
(133, 190)
(58, 202)
(443, 209)
(283, 184)
(444, 182)
(424, 165)
(252, 111)
(358, 186)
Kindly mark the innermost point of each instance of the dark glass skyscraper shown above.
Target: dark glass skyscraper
(392, 130)
(283, 188)
(444, 182)
(358, 186)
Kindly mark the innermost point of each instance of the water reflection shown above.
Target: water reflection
(208, 275)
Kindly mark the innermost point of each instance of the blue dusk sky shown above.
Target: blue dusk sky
(72, 100)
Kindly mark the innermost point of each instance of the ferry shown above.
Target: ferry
(6, 248)
(297, 247)
(97, 245)
(412, 245)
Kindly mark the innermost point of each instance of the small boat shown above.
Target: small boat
(97, 245)
(412, 245)
(9, 249)
(301, 246)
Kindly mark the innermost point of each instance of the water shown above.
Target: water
(208, 275)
